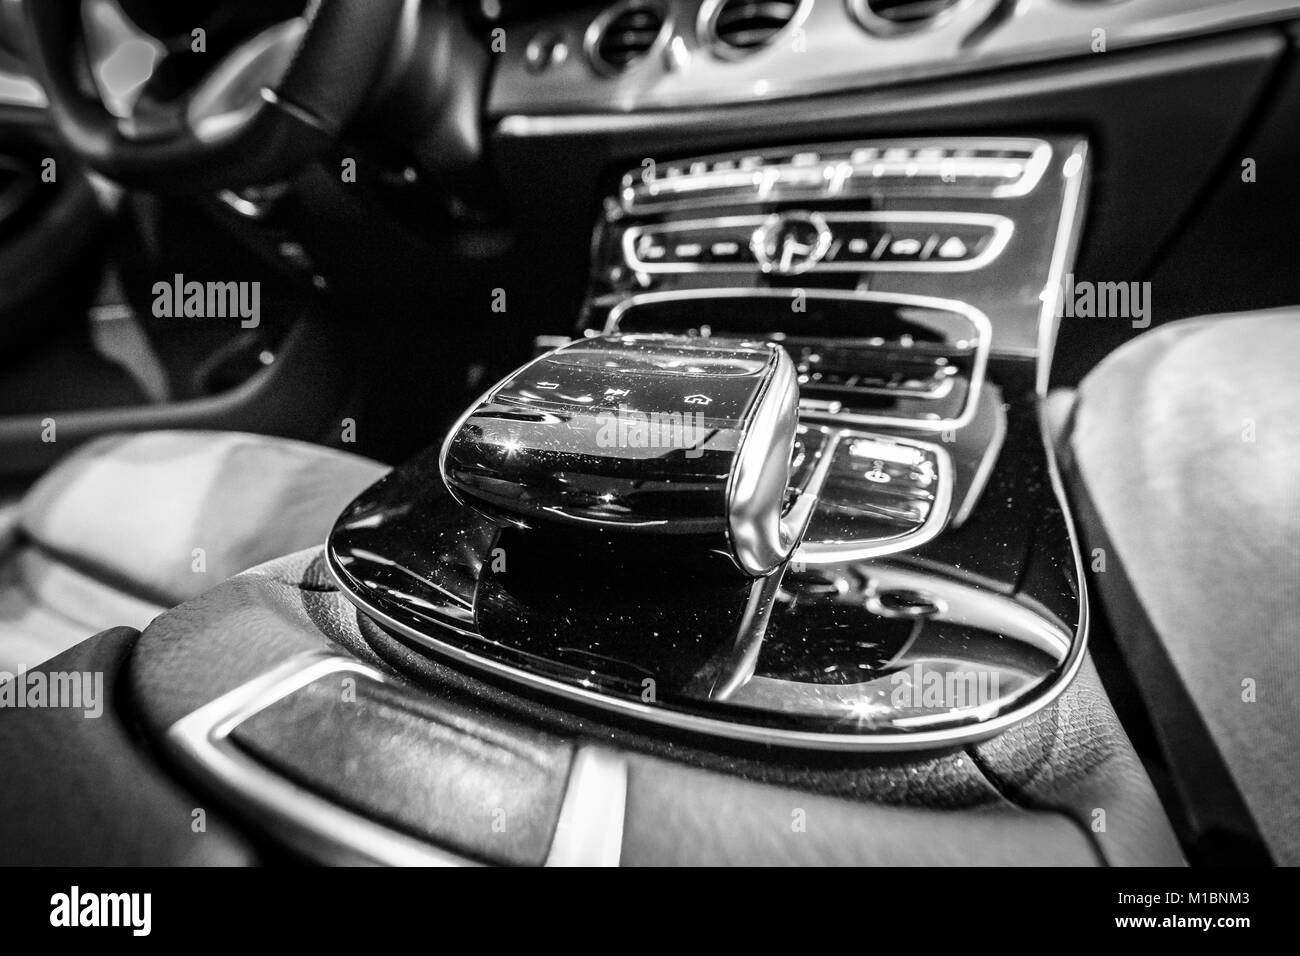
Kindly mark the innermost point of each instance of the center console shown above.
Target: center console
(787, 482)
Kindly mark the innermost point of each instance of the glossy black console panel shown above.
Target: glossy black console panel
(947, 642)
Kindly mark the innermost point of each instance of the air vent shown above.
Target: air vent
(624, 35)
(901, 16)
(739, 27)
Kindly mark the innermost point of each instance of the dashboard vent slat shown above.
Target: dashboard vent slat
(901, 16)
(742, 26)
(625, 34)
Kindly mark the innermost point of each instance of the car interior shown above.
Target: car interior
(649, 432)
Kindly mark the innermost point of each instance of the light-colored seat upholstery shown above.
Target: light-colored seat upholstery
(130, 525)
(1184, 447)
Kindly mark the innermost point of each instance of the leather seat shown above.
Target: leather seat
(130, 525)
(1184, 449)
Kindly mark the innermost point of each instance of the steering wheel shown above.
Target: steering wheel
(261, 112)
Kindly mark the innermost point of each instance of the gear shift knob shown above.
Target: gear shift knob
(668, 436)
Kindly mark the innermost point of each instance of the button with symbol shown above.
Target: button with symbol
(953, 248)
(698, 400)
(905, 248)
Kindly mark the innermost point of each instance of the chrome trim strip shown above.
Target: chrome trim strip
(978, 319)
(1075, 660)
(756, 487)
(1067, 235)
(754, 184)
(738, 665)
(1001, 227)
(832, 552)
(590, 829)
(982, 472)
(1038, 162)
(304, 820)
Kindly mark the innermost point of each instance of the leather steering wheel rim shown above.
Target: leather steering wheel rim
(339, 59)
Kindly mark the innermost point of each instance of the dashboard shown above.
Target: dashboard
(634, 55)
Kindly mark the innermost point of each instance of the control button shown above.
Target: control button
(698, 400)
(924, 476)
(953, 248)
(905, 243)
(837, 175)
(803, 177)
(886, 451)
(544, 51)
(648, 250)
(821, 406)
(796, 241)
(829, 379)
(906, 248)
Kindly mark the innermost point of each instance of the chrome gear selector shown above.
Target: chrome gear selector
(686, 439)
